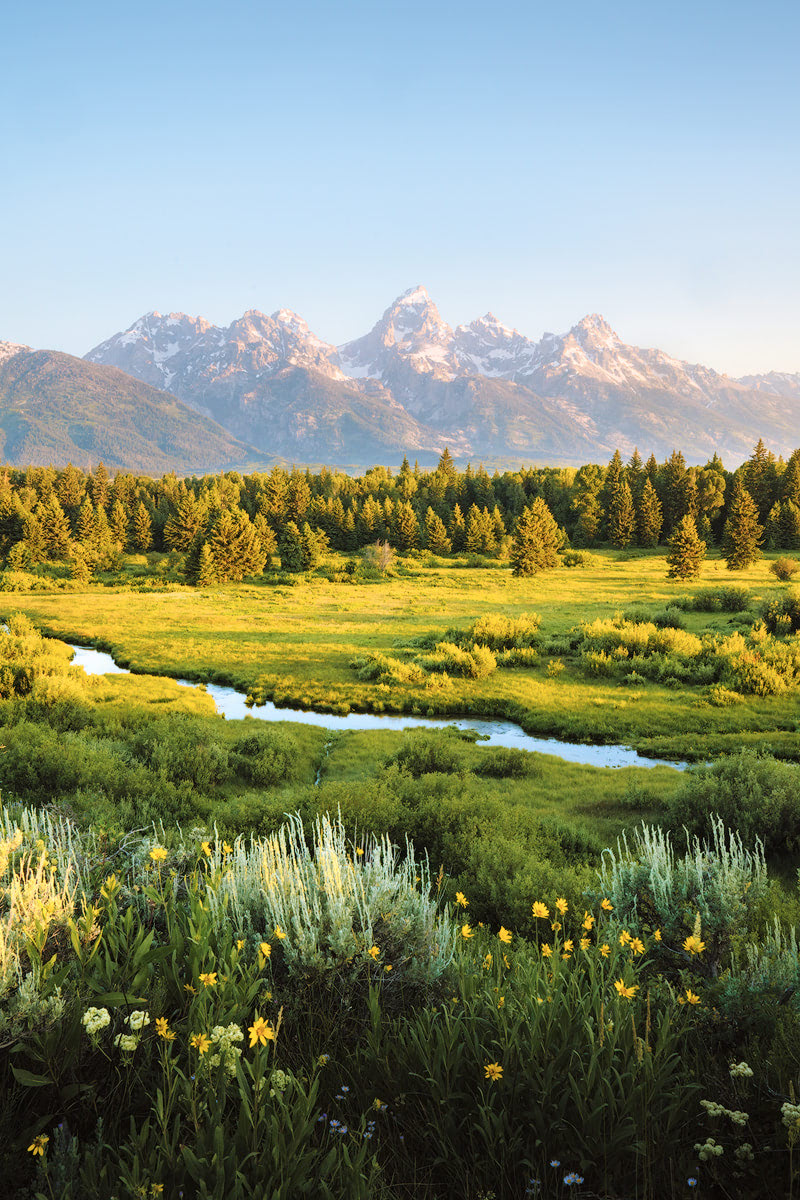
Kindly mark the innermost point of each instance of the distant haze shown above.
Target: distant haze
(542, 161)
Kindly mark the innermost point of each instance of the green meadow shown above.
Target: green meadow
(296, 645)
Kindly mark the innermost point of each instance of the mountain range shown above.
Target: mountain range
(176, 392)
(413, 384)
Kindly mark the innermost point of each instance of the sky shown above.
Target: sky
(540, 161)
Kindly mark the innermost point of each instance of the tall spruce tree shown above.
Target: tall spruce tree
(686, 551)
(743, 534)
(536, 540)
(649, 518)
(621, 516)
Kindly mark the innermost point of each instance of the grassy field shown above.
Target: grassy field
(295, 645)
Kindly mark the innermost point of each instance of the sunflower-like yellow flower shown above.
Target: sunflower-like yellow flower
(200, 1042)
(585, 943)
(466, 932)
(261, 1032)
(360, 851)
(657, 934)
(374, 952)
(265, 949)
(693, 945)
(208, 978)
(692, 997)
(569, 945)
(637, 945)
(540, 910)
(279, 934)
(625, 938)
(505, 935)
(606, 904)
(588, 921)
(163, 1030)
(461, 899)
(158, 854)
(38, 1144)
(206, 848)
(561, 905)
(627, 993)
(493, 1071)
(227, 848)
(605, 949)
(547, 950)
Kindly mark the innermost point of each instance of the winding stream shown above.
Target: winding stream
(231, 704)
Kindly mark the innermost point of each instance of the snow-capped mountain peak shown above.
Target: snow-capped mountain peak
(9, 349)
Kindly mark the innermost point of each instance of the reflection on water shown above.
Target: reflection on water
(231, 704)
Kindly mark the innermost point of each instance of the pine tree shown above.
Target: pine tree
(141, 534)
(436, 538)
(686, 551)
(406, 527)
(536, 540)
(611, 483)
(55, 529)
(648, 526)
(457, 528)
(187, 519)
(119, 525)
(743, 534)
(266, 536)
(206, 573)
(290, 548)
(621, 516)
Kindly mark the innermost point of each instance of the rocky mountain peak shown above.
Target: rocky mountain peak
(9, 349)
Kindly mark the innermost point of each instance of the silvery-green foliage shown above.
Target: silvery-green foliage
(716, 878)
(70, 850)
(333, 903)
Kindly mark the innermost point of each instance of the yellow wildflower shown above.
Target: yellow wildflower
(657, 934)
(359, 851)
(626, 992)
(265, 949)
(261, 1032)
(540, 910)
(109, 887)
(461, 899)
(561, 905)
(585, 943)
(588, 921)
(569, 945)
(546, 950)
(487, 962)
(156, 1189)
(388, 967)
(693, 945)
(279, 934)
(208, 978)
(637, 946)
(240, 943)
(625, 938)
(466, 932)
(493, 1071)
(38, 1144)
(692, 997)
(227, 848)
(374, 952)
(555, 926)
(187, 987)
(206, 848)
(163, 1030)
(607, 905)
(501, 1002)
(200, 1042)
(605, 949)
(158, 854)
(504, 935)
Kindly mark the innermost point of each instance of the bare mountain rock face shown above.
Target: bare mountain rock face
(413, 384)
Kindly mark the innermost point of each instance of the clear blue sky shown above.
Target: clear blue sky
(538, 160)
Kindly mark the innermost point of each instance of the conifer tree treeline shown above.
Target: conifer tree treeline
(229, 526)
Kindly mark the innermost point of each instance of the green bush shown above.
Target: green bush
(505, 762)
(756, 795)
(426, 753)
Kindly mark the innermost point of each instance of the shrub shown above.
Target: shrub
(783, 616)
(267, 758)
(755, 795)
(719, 599)
(382, 668)
(425, 753)
(784, 568)
(506, 762)
(474, 663)
(716, 884)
